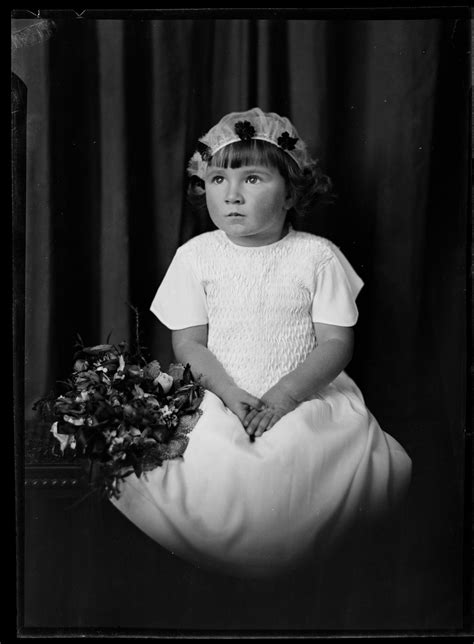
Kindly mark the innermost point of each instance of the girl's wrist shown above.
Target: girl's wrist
(289, 387)
(224, 390)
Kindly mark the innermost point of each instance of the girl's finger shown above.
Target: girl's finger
(271, 422)
(254, 423)
(274, 420)
(255, 402)
(263, 425)
(249, 417)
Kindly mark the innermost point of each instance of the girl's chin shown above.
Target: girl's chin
(237, 227)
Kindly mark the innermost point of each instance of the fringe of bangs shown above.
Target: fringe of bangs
(253, 152)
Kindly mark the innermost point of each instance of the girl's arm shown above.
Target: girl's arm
(190, 346)
(331, 355)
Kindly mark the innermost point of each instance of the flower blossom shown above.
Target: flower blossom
(65, 440)
(74, 421)
(165, 381)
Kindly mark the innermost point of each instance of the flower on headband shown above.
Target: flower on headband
(204, 150)
(244, 130)
(286, 142)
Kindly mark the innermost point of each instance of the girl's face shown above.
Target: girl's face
(249, 203)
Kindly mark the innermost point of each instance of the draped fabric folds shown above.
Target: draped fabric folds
(114, 111)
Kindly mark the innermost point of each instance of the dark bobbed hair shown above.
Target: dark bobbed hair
(308, 187)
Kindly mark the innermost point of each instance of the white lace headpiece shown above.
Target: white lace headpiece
(244, 126)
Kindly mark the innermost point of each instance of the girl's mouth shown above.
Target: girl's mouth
(235, 214)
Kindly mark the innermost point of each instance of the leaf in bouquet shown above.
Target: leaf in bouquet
(134, 371)
(161, 433)
(104, 425)
(80, 341)
(67, 384)
(45, 406)
(146, 432)
(80, 364)
(193, 403)
(151, 400)
(187, 375)
(82, 437)
(98, 349)
(96, 395)
(136, 464)
(111, 364)
(158, 390)
(152, 459)
(104, 411)
(180, 400)
(63, 406)
(196, 394)
(96, 446)
(184, 398)
(74, 409)
(129, 412)
(186, 407)
(63, 427)
(86, 378)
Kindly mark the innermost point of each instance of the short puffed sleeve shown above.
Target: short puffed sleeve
(336, 289)
(180, 300)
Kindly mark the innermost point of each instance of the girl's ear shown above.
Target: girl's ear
(289, 201)
(198, 185)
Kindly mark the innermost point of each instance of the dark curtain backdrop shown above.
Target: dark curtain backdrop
(115, 108)
(114, 111)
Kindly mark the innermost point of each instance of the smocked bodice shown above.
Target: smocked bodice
(259, 303)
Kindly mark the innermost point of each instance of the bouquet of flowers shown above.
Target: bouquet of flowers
(122, 413)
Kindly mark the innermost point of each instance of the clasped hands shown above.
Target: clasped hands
(258, 415)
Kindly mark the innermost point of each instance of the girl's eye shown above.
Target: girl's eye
(217, 179)
(253, 178)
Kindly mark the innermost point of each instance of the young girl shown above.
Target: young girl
(285, 455)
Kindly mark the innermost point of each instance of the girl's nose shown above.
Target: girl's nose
(233, 194)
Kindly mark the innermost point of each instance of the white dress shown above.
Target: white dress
(261, 508)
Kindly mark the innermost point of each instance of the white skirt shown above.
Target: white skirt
(258, 509)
